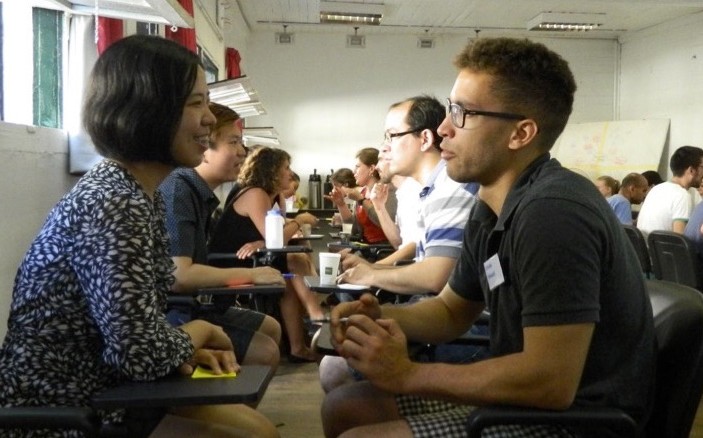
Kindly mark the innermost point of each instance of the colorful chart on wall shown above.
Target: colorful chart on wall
(613, 148)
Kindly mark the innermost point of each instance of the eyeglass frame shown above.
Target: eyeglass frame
(389, 136)
(467, 112)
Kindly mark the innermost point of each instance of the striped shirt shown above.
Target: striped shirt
(443, 212)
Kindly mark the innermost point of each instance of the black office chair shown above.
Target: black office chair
(640, 244)
(674, 258)
(678, 322)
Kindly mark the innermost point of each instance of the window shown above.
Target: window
(48, 65)
(147, 28)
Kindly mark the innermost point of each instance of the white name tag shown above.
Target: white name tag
(494, 273)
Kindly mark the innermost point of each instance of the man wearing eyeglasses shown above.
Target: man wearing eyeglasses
(571, 324)
(411, 149)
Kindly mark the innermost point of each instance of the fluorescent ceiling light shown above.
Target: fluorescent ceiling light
(565, 21)
(249, 109)
(151, 11)
(237, 94)
(232, 91)
(266, 131)
(250, 140)
(351, 13)
(262, 135)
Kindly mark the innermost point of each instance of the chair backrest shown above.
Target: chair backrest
(678, 322)
(640, 244)
(674, 258)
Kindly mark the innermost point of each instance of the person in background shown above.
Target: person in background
(89, 298)
(574, 329)
(607, 185)
(632, 191)
(241, 230)
(366, 222)
(402, 229)
(343, 178)
(190, 201)
(290, 194)
(668, 205)
(653, 178)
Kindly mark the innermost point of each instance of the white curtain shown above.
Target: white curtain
(82, 54)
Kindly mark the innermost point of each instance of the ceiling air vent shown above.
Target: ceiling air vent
(425, 43)
(356, 41)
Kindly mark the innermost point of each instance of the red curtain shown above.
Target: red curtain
(109, 31)
(232, 60)
(184, 36)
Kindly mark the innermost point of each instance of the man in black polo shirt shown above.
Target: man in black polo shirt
(570, 324)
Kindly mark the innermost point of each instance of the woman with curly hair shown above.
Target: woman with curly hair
(241, 229)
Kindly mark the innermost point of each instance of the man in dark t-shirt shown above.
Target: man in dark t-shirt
(570, 320)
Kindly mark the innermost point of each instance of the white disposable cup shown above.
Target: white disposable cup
(346, 228)
(306, 229)
(329, 267)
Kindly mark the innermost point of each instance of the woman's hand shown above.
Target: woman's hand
(219, 361)
(337, 196)
(306, 218)
(250, 248)
(353, 194)
(266, 275)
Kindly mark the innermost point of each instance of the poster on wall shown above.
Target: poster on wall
(613, 148)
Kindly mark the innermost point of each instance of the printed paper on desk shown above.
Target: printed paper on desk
(204, 373)
(494, 273)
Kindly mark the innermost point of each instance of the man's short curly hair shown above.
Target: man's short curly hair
(528, 79)
(262, 169)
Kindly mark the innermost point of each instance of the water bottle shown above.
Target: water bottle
(274, 229)
(315, 190)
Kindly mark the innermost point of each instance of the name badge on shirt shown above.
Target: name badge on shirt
(494, 273)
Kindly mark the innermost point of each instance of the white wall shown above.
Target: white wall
(328, 101)
(34, 169)
(661, 77)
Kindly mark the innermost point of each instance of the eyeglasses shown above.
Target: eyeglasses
(459, 113)
(388, 136)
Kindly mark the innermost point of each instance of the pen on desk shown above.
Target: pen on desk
(327, 320)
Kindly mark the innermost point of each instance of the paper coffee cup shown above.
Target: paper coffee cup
(329, 267)
(306, 229)
(347, 228)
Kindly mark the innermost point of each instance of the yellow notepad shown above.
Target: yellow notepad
(205, 373)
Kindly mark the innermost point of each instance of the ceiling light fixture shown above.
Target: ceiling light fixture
(334, 12)
(284, 37)
(237, 94)
(356, 41)
(261, 135)
(249, 109)
(566, 21)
